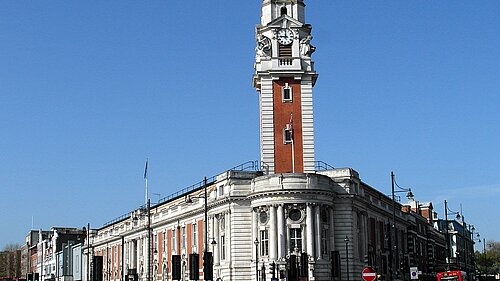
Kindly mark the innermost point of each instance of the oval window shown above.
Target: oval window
(263, 217)
(295, 215)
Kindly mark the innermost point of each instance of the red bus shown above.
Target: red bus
(453, 275)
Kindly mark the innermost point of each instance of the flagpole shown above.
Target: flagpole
(146, 181)
(292, 137)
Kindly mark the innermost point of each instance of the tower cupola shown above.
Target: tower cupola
(273, 9)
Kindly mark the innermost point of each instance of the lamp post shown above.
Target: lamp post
(148, 209)
(189, 199)
(149, 231)
(473, 241)
(88, 251)
(395, 250)
(256, 242)
(447, 212)
(346, 239)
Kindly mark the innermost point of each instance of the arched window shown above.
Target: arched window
(284, 10)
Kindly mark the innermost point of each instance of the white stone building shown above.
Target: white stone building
(284, 208)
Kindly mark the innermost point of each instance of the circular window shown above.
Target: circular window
(295, 215)
(263, 217)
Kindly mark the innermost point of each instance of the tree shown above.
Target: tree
(11, 247)
(488, 263)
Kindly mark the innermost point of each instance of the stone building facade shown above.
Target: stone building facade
(286, 216)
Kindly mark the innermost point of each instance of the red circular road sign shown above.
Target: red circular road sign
(369, 274)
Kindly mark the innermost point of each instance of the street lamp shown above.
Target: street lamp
(346, 239)
(473, 241)
(256, 242)
(148, 214)
(409, 195)
(189, 199)
(447, 212)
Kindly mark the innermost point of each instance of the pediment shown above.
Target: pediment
(285, 20)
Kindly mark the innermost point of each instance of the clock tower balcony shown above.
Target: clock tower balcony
(284, 63)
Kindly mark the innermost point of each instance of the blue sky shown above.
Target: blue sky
(90, 89)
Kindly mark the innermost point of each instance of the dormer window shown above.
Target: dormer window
(287, 93)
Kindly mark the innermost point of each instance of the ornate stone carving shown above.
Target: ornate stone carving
(306, 49)
(263, 48)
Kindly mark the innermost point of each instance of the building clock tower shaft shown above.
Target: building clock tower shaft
(284, 77)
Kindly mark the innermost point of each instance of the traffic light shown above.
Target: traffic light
(29, 276)
(292, 268)
(37, 277)
(194, 267)
(97, 269)
(335, 263)
(176, 267)
(208, 266)
(273, 269)
(304, 265)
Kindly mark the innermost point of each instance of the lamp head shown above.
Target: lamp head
(410, 195)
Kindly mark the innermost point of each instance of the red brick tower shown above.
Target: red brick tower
(284, 77)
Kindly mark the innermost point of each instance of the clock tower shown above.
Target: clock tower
(284, 77)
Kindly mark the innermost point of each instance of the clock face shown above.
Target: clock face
(285, 36)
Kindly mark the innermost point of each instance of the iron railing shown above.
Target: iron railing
(322, 166)
(247, 166)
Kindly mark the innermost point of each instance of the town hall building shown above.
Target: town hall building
(285, 217)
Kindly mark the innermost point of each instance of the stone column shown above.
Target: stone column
(217, 238)
(228, 236)
(355, 234)
(281, 232)
(318, 231)
(255, 230)
(332, 230)
(135, 262)
(309, 230)
(273, 241)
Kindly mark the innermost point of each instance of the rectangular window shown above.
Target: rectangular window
(221, 190)
(222, 247)
(183, 237)
(325, 234)
(287, 93)
(264, 243)
(140, 247)
(155, 241)
(287, 136)
(295, 240)
(195, 236)
(126, 251)
(164, 242)
(174, 244)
